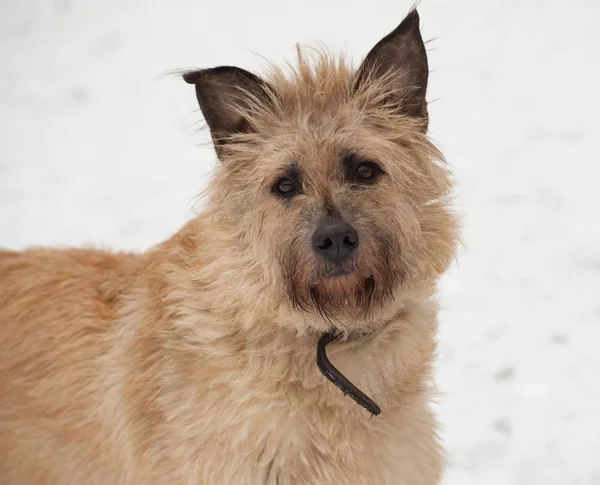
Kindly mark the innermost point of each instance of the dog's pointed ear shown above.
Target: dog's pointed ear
(401, 55)
(224, 93)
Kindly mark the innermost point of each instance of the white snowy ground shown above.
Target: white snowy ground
(96, 148)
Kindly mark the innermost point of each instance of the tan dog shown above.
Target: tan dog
(195, 363)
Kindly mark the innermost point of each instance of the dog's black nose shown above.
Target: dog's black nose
(334, 239)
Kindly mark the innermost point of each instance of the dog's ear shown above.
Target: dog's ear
(224, 93)
(400, 55)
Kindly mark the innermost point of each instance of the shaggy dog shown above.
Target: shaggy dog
(195, 363)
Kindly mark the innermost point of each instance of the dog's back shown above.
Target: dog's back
(57, 309)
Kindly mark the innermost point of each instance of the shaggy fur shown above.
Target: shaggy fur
(194, 363)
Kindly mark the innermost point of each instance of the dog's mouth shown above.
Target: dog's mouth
(337, 273)
(344, 288)
(342, 279)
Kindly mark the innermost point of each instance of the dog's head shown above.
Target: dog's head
(328, 178)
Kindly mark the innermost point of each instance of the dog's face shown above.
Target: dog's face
(328, 177)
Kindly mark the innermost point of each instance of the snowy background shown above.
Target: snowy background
(98, 147)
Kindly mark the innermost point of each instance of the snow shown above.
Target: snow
(98, 147)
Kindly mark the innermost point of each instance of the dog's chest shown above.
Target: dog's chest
(275, 447)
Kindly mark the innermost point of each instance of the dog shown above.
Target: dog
(203, 361)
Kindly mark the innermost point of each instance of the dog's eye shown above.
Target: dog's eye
(285, 187)
(366, 172)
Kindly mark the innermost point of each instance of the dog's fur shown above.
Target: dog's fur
(194, 363)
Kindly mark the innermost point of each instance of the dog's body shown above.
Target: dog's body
(194, 363)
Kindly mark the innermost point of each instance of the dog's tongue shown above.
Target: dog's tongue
(337, 378)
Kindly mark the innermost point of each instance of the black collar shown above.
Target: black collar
(338, 379)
